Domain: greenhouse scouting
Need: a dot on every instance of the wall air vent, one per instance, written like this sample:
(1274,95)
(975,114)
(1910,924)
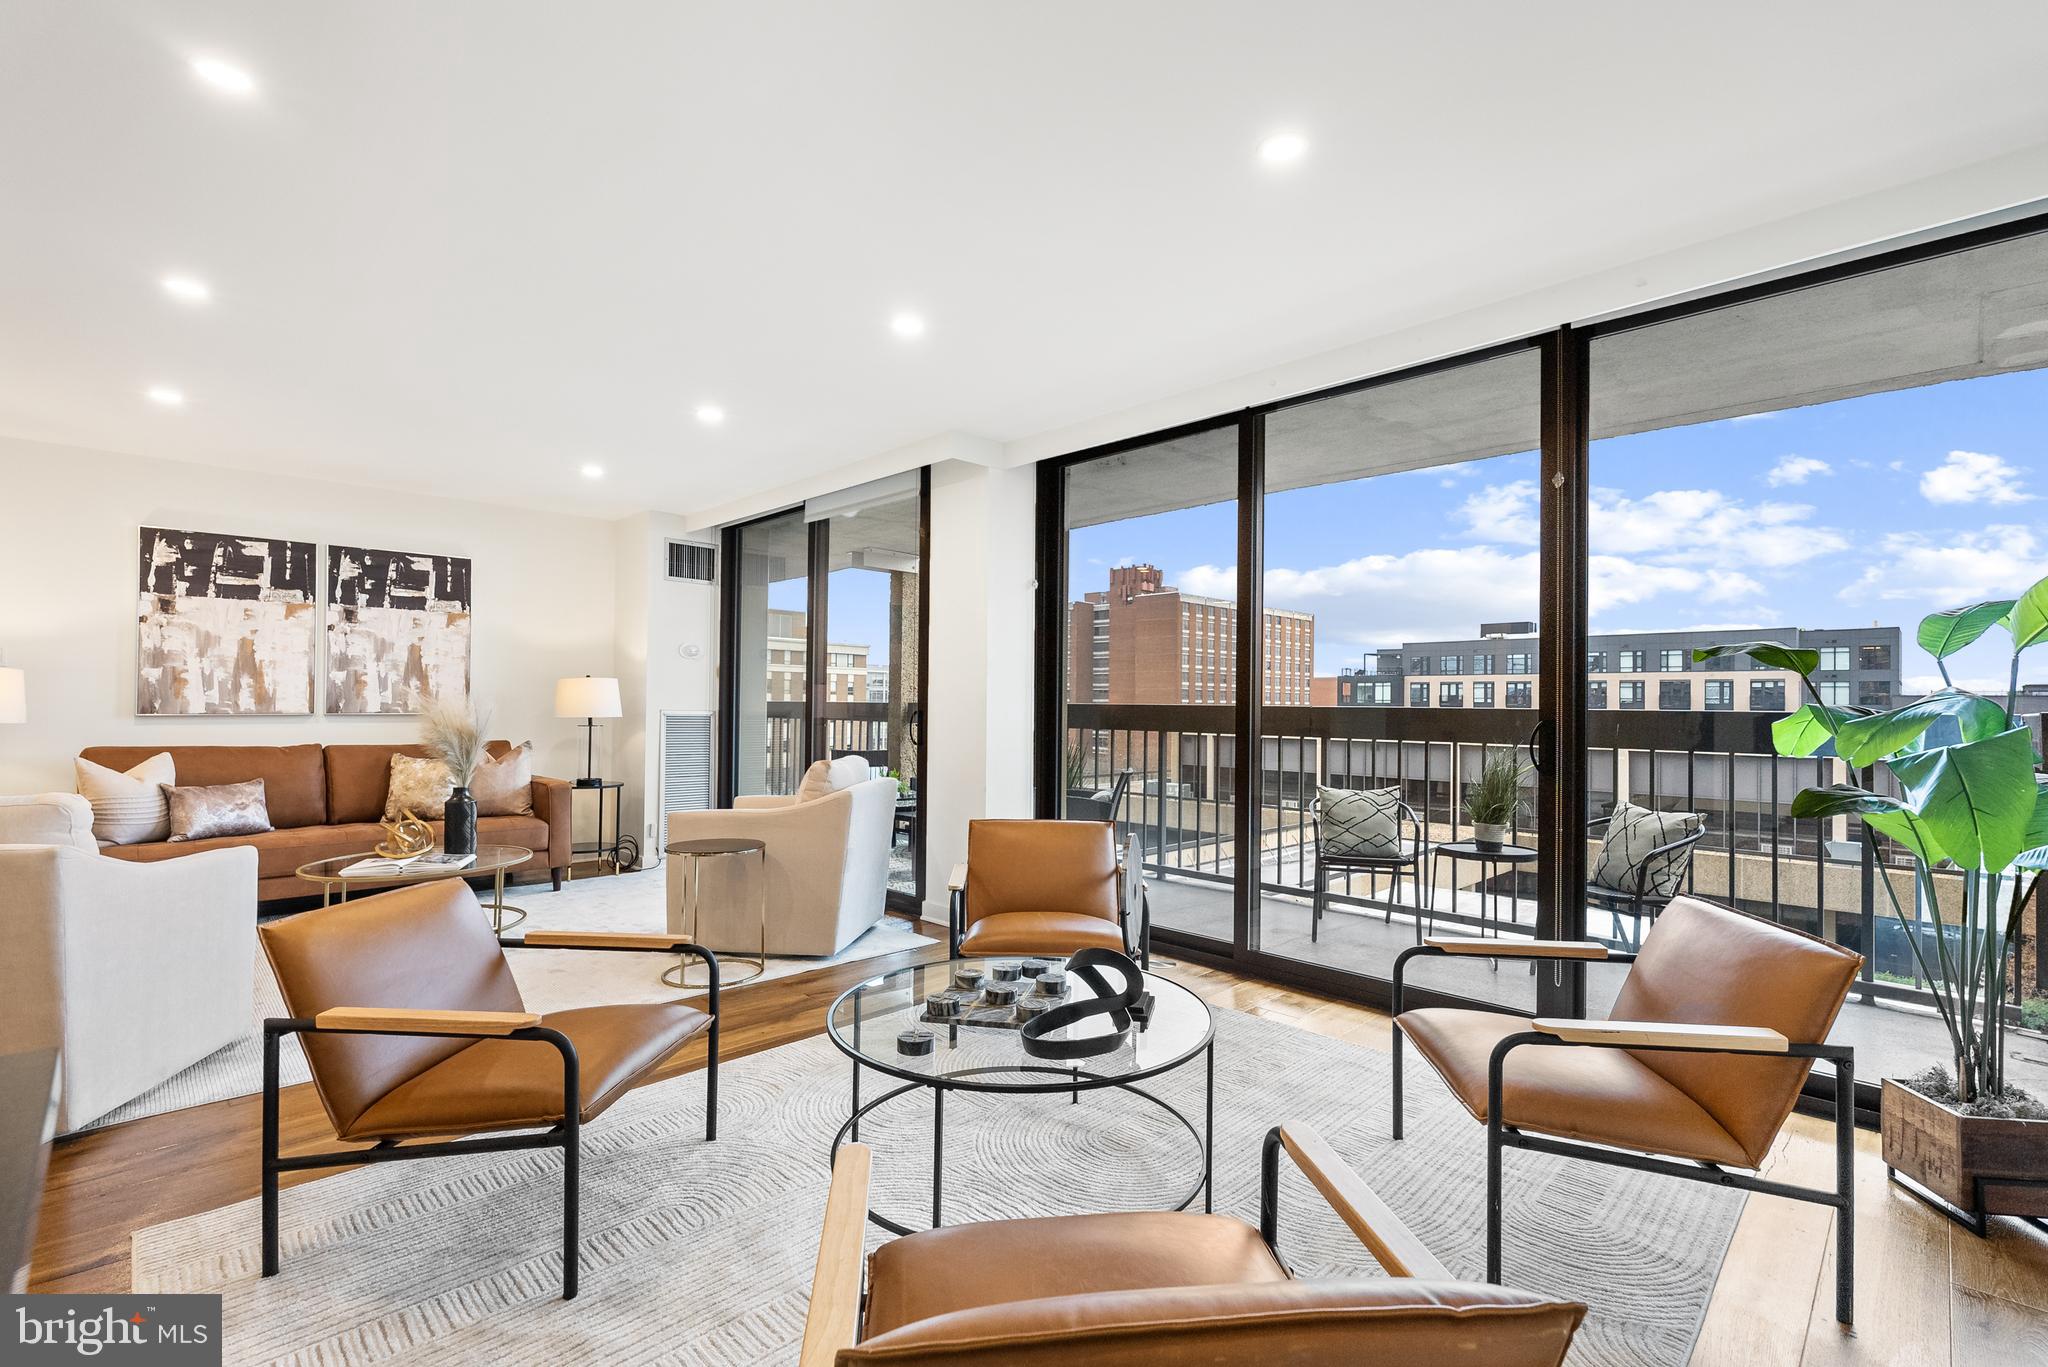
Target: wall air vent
(686,757)
(688,560)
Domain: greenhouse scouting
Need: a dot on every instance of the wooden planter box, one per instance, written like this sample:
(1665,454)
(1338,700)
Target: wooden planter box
(1978,1164)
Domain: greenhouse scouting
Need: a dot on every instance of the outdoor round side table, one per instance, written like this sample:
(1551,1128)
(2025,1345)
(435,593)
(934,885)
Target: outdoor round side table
(697,851)
(1489,902)
(492,861)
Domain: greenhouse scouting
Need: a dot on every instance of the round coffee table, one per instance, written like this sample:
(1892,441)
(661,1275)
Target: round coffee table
(494,860)
(867,1018)
(692,909)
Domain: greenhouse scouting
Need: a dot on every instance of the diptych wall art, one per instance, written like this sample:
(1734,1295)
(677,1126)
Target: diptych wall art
(225,625)
(397,630)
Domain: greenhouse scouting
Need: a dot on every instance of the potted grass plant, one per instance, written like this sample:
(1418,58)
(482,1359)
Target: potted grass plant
(1491,798)
(453,734)
(1968,805)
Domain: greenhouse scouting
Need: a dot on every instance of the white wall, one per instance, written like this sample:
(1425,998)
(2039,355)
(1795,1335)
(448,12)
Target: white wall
(657,620)
(69,520)
(979,714)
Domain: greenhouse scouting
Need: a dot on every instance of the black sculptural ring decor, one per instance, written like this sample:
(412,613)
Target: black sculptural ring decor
(1120,1006)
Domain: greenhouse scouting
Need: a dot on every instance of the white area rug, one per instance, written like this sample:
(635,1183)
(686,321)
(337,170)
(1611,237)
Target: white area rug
(701,1253)
(549,979)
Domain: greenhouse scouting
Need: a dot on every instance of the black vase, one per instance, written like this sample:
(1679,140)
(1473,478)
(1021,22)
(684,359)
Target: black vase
(459,823)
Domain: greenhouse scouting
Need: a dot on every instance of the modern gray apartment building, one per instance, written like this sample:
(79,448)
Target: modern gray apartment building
(1629,671)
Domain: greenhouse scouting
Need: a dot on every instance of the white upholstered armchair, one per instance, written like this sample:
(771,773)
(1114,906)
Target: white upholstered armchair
(827,868)
(137,971)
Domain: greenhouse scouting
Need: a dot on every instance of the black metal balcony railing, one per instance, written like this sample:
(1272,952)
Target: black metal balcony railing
(847,728)
(1821,876)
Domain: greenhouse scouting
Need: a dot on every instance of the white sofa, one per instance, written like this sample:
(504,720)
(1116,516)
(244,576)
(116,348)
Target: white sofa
(827,867)
(135,971)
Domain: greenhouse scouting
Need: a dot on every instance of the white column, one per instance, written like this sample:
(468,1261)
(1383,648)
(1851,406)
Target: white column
(982,634)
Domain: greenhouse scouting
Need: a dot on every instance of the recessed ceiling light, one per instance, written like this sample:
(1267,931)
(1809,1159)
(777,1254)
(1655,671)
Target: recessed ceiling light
(710,414)
(166,395)
(187,289)
(907,325)
(592,470)
(224,78)
(1281,149)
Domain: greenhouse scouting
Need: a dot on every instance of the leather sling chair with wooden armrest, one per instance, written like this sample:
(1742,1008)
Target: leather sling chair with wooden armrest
(414,1028)
(1048,888)
(1711,1039)
(1159,1289)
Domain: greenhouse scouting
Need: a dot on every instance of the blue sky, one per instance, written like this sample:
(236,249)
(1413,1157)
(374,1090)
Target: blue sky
(1875,509)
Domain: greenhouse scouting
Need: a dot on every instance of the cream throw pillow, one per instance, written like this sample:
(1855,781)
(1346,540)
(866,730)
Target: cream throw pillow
(128,809)
(420,786)
(826,777)
(504,786)
(817,781)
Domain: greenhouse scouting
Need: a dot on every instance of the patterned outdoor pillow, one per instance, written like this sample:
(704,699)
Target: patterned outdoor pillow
(1632,832)
(418,785)
(1360,824)
(224,809)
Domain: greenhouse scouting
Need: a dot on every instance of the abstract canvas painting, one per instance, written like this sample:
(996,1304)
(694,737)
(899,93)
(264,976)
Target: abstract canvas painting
(226,625)
(397,630)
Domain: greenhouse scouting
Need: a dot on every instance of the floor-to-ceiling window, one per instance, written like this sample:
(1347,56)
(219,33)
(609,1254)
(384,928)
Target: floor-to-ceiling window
(1528,546)
(1401,571)
(825,645)
(767,672)
(1821,467)
(1149,679)
(870,695)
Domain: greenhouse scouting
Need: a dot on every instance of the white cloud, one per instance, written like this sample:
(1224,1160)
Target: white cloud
(1961,567)
(1753,417)
(1797,470)
(1704,528)
(1973,477)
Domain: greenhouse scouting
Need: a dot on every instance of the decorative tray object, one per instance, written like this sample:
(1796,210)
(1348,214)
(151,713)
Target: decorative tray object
(1006,997)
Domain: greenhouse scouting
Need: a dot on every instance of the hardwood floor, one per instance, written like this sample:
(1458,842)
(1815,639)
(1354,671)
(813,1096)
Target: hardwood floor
(1927,1292)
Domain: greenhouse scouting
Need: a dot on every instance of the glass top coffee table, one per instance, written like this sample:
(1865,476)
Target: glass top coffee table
(867,1019)
(492,861)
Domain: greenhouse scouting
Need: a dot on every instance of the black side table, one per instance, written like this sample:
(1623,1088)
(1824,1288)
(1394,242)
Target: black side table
(1506,856)
(606,853)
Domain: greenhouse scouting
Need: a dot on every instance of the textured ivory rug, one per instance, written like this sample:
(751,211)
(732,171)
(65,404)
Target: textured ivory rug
(701,1253)
(550,980)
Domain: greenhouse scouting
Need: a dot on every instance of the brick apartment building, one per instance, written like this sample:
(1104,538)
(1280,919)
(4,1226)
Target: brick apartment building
(1143,641)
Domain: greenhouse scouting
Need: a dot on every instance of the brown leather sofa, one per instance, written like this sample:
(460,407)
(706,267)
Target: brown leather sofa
(326,801)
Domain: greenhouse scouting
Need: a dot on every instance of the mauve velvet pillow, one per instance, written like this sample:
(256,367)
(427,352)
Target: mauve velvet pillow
(225,809)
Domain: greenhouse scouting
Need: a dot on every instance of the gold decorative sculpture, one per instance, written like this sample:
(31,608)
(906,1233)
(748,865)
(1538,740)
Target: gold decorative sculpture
(409,836)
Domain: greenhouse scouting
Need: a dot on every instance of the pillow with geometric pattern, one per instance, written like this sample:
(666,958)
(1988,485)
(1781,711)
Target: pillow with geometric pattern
(1360,823)
(1632,833)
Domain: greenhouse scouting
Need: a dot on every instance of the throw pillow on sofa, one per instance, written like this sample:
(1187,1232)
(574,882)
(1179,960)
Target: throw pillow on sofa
(128,809)
(224,809)
(420,786)
(504,786)
(826,777)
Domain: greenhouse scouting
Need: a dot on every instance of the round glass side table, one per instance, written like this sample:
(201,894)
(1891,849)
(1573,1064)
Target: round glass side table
(691,911)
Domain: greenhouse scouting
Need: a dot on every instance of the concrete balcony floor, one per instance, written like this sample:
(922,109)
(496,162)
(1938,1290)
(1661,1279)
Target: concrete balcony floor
(1890,1039)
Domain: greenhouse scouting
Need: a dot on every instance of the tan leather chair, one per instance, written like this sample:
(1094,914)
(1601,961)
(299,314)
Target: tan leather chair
(1713,1034)
(1159,1289)
(1048,887)
(414,1027)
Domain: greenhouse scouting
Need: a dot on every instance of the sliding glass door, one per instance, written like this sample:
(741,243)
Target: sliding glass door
(825,643)
(1402,648)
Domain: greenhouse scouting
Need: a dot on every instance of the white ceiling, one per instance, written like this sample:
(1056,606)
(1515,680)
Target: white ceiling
(469,245)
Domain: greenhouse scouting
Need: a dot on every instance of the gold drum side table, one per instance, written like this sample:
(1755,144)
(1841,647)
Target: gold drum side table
(691,911)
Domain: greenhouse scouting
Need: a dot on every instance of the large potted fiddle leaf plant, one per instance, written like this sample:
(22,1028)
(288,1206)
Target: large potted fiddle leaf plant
(1971,812)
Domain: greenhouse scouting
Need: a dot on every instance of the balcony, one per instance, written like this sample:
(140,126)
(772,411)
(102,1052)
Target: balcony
(1821,877)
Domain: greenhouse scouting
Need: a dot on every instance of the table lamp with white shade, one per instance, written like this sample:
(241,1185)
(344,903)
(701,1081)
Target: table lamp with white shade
(13,696)
(588,698)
